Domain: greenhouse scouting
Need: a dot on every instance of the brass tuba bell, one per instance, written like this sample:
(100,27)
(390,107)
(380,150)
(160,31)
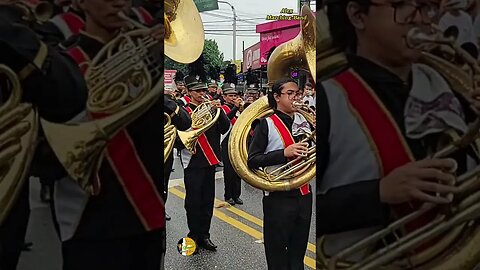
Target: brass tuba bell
(298,53)
(170,134)
(18,134)
(123,63)
(184,35)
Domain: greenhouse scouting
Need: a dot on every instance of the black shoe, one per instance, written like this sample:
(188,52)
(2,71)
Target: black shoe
(207,244)
(230,201)
(238,201)
(167,217)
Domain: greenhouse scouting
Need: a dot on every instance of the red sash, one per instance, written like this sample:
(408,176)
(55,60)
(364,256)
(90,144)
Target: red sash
(227,110)
(207,149)
(73,22)
(130,171)
(287,140)
(143,15)
(186,100)
(80,57)
(209,97)
(391,148)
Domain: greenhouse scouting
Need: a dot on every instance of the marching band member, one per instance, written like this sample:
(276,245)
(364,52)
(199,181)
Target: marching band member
(123,226)
(213,91)
(53,85)
(63,25)
(181,120)
(309,98)
(185,99)
(383,143)
(233,187)
(199,170)
(286,214)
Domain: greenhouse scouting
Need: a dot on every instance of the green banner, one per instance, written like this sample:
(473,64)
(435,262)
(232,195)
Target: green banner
(206,5)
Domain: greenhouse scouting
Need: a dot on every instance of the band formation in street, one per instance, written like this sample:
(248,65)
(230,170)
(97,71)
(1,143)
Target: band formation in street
(394,185)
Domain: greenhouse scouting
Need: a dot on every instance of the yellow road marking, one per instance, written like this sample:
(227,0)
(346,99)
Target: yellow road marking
(252,219)
(239,225)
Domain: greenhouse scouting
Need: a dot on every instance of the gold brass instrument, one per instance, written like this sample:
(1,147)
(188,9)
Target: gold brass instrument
(169,137)
(290,176)
(454,229)
(184,35)
(35,10)
(298,53)
(18,134)
(123,66)
(203,118)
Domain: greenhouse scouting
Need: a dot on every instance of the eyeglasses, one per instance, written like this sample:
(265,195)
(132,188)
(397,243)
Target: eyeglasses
(406,11)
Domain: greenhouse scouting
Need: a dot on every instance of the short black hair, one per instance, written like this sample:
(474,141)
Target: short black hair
(341,29)
(277,89)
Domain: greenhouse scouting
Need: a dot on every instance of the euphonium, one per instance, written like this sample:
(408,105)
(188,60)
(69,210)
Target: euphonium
(298,53)
(184,35)
(203,118)
(123,65)
(18,133)
(36,10)
(454,229)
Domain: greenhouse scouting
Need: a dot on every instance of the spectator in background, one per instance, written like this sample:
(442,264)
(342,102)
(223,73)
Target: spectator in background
(309,95)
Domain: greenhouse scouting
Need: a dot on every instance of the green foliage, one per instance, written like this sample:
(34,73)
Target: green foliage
(213,61)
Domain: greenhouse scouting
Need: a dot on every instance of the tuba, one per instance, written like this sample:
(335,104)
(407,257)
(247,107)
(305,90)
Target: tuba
(184,35)
(454,228)
(203,118)
(123,64)
(300,52)
(18,134)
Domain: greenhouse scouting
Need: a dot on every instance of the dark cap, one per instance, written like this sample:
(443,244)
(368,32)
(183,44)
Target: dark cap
(193,83)
(229,88)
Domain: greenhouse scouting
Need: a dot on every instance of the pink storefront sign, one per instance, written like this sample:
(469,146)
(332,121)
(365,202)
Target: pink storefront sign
(275,33)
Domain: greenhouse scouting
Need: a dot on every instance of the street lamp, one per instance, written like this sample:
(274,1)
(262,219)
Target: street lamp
(234,29)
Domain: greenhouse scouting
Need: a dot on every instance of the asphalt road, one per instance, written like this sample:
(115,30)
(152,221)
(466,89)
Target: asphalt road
(236,230)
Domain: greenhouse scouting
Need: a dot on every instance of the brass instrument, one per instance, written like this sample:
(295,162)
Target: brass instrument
(35,10)
(298,53)
(455,228)
(18,134)
(290,176)
(169,137)
(203,118)
(184,35)
(125,63)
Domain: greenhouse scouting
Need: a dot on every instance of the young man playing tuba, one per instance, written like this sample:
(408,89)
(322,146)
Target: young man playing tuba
(379,121)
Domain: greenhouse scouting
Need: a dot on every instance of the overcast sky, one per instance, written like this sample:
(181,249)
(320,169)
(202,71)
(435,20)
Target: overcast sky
(249,13)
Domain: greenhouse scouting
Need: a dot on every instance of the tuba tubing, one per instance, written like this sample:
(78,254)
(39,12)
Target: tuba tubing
(238,153)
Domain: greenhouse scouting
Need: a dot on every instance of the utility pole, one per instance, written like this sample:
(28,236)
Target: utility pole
(234,29)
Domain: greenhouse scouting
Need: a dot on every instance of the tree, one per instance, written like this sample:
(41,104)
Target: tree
(212,61)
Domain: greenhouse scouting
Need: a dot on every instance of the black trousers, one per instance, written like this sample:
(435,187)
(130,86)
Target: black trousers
(13,230)
(200,196)
(233,187)
(144,252)
(286,227)
(167,171)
